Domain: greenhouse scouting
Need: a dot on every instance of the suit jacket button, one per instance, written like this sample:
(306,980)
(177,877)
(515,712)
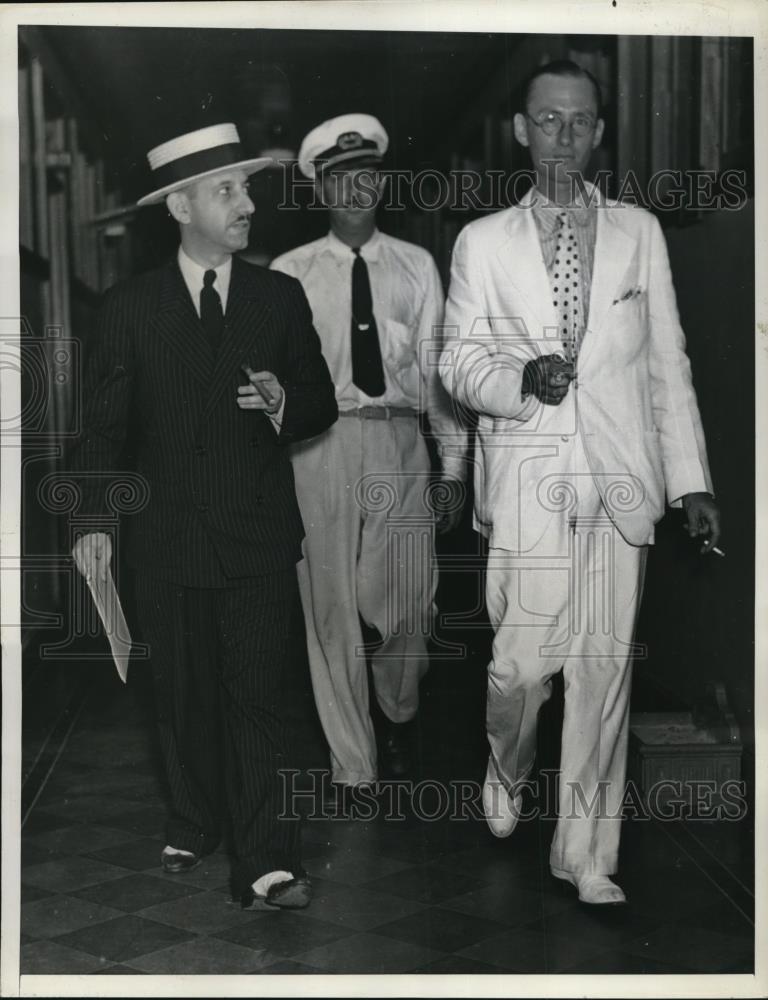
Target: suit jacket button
(199,450)
(203,508)
(259,499)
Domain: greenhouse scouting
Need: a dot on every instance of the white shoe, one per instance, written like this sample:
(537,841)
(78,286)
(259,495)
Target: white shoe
(598,890)
(501,811)
(175,860)
(262,885)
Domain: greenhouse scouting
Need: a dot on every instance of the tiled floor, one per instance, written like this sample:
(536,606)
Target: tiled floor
(399,895)
(391,894)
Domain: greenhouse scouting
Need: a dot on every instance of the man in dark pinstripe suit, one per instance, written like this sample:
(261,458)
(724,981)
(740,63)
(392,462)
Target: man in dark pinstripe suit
(216,546)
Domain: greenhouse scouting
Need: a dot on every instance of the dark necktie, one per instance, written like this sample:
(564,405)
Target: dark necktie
(367,369)
(211,312)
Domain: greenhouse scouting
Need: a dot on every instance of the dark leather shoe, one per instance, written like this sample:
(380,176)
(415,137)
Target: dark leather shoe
(396,754)
(177,864)
(294,894)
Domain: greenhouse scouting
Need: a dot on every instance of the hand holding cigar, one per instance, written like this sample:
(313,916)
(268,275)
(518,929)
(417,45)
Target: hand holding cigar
(263,391)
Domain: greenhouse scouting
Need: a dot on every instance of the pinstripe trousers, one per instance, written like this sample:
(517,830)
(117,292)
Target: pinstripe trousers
(218,657)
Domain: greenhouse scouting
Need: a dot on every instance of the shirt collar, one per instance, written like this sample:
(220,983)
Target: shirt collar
(548,213)
(192,273)
(369,250)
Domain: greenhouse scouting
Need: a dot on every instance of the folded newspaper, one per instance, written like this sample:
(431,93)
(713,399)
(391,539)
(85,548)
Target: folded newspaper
(107,603)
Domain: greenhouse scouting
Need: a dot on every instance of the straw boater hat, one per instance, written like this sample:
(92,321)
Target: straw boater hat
(351,140)
(190,157)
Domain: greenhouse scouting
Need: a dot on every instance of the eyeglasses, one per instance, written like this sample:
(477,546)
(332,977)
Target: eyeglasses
(552,122)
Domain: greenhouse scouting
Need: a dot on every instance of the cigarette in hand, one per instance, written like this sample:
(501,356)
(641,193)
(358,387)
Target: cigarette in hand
(715,549)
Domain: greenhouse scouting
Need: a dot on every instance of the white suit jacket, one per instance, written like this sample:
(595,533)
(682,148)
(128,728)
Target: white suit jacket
(632,406)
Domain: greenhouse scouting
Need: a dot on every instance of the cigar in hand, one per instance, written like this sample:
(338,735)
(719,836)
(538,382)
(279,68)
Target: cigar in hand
(269,400)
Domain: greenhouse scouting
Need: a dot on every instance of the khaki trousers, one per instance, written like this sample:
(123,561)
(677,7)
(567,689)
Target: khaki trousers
(368,552)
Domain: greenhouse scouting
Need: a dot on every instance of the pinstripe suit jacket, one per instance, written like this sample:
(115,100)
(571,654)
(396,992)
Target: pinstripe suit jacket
(220,484)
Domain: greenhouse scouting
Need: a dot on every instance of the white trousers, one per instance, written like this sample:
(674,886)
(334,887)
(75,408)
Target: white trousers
(368,553)
(570,603)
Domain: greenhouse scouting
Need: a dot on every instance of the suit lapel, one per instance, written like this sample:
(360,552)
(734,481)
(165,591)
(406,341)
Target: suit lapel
(179,325)
(614,250)
(521,258)
(246,312)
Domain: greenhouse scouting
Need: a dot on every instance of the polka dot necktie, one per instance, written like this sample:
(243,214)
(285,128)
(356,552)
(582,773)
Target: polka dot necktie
(566,288)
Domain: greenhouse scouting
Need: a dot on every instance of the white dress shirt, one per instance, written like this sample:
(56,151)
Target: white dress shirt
(408,307)
(192,273)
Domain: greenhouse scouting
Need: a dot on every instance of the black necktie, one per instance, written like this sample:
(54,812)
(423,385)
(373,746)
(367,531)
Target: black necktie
(367,369)
(211,312)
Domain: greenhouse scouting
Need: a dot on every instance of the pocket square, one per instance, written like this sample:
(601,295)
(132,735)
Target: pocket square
(631,293)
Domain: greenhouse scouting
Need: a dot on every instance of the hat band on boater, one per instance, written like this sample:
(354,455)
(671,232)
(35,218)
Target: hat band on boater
(200,162)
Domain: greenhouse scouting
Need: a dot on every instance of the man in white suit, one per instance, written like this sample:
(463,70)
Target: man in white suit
(563,335)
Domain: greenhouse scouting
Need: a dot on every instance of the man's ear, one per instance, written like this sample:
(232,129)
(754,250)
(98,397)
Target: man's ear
(521,129)
(597,137)
(178,206)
